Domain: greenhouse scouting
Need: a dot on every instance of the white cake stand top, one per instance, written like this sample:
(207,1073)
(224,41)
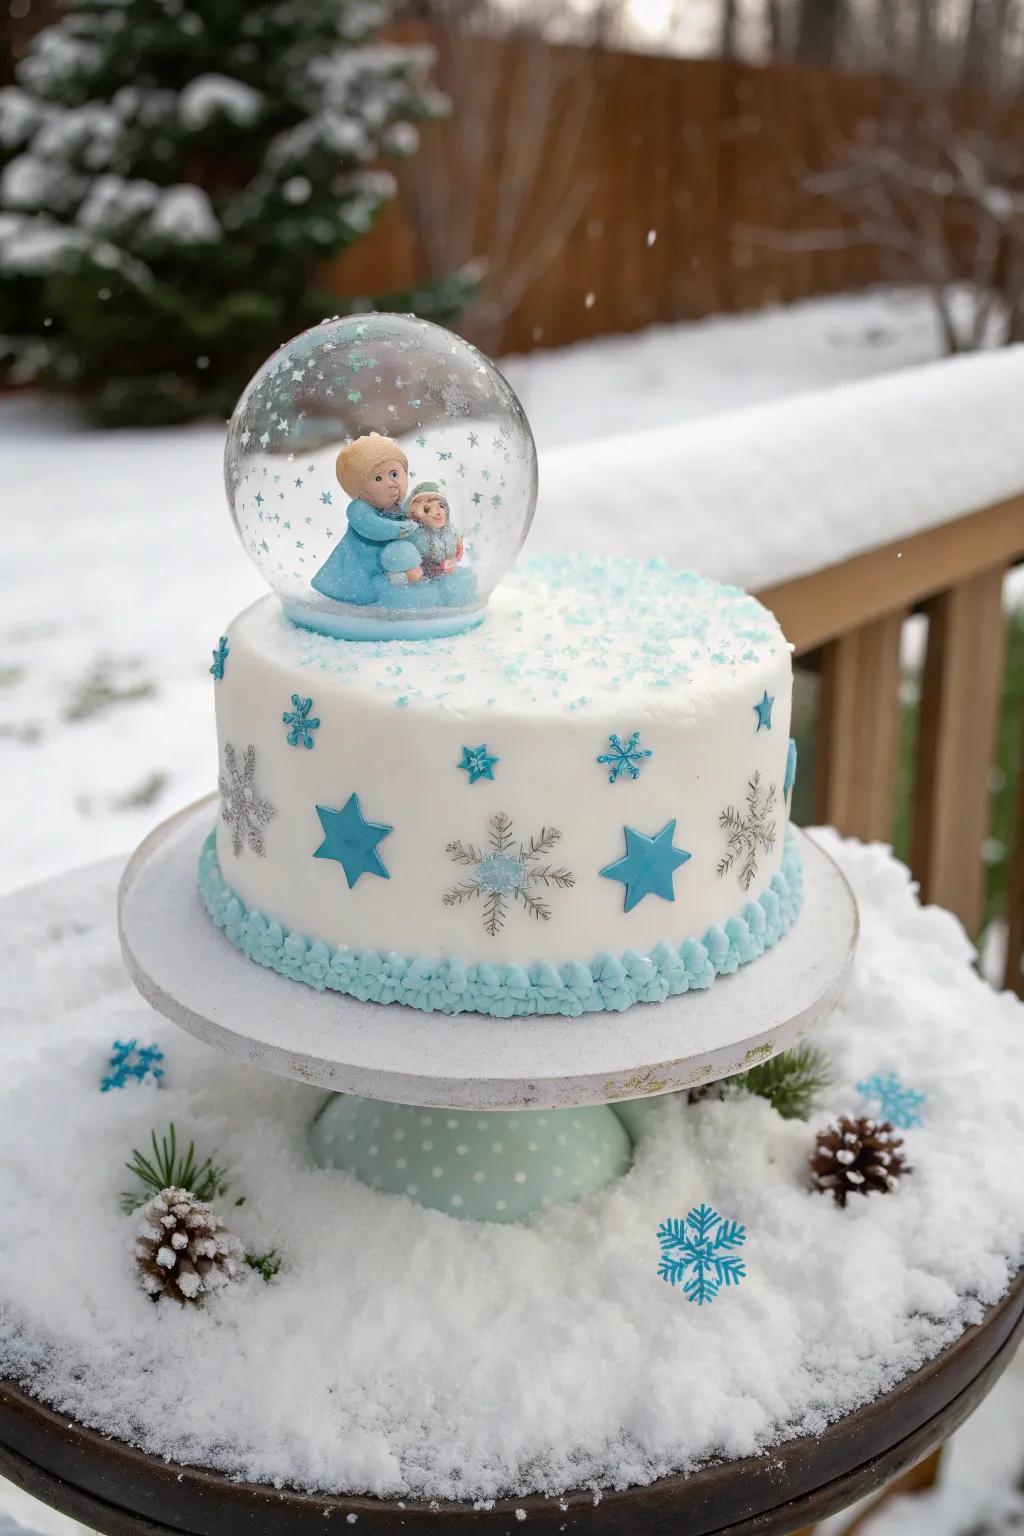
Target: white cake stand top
(185,967)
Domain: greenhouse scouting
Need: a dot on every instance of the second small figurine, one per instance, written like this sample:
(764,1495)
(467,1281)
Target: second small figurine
(439,544)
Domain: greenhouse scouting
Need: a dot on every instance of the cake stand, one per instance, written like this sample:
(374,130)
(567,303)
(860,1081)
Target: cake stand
(380,1059)
(187,970)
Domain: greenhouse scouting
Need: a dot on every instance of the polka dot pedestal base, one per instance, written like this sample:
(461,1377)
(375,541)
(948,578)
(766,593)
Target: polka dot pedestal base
(481,1167)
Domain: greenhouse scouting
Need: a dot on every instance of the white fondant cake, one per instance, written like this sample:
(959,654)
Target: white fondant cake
(580,804)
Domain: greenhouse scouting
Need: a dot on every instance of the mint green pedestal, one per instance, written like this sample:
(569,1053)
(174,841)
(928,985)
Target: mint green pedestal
(475,1165)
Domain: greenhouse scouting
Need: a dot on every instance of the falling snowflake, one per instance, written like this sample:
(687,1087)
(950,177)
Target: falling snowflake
(301,724)
(624,757)
(508,870)
(130,1061)
(697,1253)
(898,1104)
(220,656)
(750,832)
(245,812)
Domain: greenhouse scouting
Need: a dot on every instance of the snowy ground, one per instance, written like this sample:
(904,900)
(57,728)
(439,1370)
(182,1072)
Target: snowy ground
(122,566)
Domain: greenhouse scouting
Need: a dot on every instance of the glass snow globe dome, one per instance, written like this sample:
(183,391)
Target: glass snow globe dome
(382,476)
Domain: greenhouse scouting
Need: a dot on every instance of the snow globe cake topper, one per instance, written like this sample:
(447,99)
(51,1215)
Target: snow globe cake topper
(382,475)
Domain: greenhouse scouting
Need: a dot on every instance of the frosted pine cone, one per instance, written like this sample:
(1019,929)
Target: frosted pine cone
(857,1157)
(182,1251)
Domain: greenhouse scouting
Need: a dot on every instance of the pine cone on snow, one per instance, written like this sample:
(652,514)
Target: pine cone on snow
(182,1252)
(857,1157)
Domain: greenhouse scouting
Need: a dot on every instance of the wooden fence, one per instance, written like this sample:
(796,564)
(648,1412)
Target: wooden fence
(676,165)
(848,618)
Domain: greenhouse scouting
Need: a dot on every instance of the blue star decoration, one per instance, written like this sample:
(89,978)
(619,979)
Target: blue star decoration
(352,840)
(790,777)
(478,762)
(132,1062)
(624,757)
(898,1104)
(698,1253)
(649,865)
(763,710)
(299,719)
(220,656)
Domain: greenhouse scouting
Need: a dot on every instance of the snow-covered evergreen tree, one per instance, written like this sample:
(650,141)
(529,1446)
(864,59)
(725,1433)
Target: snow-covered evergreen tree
(174,175)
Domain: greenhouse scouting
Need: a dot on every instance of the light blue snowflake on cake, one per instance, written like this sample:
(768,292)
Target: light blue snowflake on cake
(478,762)
(896,1103)
(763,711)
(698,1253)
(624,757)
(298,718)
(132,1062)
(220,656)
(508,871)
(790,778)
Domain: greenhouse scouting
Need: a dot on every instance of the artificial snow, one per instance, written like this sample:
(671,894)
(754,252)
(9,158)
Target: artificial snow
(403,1353)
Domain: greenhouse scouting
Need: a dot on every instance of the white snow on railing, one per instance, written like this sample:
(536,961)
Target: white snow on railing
(774,491)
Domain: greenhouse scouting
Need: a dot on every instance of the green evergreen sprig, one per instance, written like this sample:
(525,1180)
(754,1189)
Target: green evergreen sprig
(170,1167)
(266,1264)
(792,1082)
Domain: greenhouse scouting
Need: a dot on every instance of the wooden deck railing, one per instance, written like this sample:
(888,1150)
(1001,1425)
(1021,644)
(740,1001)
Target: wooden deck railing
(849,619)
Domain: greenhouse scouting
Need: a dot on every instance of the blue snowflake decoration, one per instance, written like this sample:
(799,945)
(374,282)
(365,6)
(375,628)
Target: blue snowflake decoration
(698,1253)
(130,1061)
(790,777)
(220,656)
(478,762)
(763,711)
(302,725)
(899,1105)
(624,757)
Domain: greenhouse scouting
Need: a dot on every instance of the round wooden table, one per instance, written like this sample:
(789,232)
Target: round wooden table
(120,1491)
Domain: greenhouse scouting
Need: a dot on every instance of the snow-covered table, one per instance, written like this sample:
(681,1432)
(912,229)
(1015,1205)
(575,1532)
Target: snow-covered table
(866,1347)
(120,1491)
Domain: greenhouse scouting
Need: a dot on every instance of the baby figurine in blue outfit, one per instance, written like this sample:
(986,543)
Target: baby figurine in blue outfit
(378,552)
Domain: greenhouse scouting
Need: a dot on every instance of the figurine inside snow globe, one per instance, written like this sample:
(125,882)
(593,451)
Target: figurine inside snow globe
(382,475)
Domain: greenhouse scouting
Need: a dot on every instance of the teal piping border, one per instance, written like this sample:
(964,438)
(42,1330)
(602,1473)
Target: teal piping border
(507,991)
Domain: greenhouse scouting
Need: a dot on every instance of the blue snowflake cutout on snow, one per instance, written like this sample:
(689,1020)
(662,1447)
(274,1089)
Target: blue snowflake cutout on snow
(624,757)
(220,656)
(130,1061)
(898,1104)
(697,1253)
(299,719)
(478,763)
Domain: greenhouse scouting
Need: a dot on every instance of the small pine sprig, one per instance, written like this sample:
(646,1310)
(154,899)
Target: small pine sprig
(268,1265)
(792,1082)
(169,1167)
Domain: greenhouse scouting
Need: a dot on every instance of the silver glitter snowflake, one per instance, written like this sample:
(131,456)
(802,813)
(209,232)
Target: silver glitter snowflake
(245,811)
(507,872)
(750,832)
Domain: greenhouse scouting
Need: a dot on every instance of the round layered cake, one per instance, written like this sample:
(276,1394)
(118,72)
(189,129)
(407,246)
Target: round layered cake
(580,805)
